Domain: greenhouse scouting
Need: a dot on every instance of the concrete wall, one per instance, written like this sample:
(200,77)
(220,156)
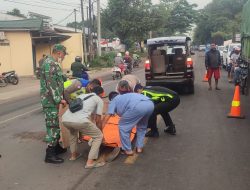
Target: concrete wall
(42,49)
(18,54)
(74,48)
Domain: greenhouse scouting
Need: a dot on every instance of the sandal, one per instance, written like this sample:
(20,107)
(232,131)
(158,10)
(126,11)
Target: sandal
(125,153)
(95,165)
(75,158)
(139,150)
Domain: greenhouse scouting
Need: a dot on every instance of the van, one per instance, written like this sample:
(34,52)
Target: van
(169,63)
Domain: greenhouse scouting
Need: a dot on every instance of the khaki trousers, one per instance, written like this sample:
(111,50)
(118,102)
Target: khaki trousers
(86,128)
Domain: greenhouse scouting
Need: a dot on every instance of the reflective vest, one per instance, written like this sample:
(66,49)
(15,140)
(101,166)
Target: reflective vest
(73,95)
(157,96)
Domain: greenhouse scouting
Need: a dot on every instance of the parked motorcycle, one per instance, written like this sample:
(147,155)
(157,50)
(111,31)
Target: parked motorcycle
(244,78)
(3,81)
(116,73)
(10,77)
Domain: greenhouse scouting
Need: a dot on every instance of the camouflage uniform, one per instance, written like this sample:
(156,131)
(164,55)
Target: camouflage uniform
(51,91)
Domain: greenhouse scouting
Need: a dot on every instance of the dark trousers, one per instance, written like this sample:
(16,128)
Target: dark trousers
(163,108)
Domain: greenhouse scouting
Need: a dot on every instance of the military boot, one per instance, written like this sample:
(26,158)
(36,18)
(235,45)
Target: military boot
(51,156)
(59,149)
(152,133)
(170,129)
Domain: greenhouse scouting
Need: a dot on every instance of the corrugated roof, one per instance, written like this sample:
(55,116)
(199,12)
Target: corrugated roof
(26,24)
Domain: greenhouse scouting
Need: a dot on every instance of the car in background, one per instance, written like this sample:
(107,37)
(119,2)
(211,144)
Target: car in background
(221,49)
(202,48)
(227,52)
(169,63)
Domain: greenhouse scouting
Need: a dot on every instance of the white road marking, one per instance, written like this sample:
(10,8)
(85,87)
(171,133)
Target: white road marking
(20,115)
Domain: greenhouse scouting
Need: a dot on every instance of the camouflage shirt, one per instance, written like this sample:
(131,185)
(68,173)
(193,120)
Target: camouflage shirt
(51,83)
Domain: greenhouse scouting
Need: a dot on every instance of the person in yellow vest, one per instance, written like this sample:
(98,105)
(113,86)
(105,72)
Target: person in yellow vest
(75,87)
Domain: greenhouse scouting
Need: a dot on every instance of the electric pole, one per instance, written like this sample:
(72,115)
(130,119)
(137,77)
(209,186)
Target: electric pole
(99,52)
(83,34)
(75,18)
(90,30)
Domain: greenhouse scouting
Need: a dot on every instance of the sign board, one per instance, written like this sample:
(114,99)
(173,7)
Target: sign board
(237,37)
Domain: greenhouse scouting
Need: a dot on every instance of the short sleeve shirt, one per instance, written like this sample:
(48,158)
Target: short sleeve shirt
(93,105)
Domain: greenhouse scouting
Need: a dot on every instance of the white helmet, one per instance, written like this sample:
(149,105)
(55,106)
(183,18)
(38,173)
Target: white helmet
(127,53)
(119,55)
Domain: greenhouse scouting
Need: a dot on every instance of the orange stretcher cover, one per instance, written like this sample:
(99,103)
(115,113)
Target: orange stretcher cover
(111,136)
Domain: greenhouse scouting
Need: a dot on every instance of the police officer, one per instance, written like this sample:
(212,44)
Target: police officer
(78,69)
(51,91)
(165,100)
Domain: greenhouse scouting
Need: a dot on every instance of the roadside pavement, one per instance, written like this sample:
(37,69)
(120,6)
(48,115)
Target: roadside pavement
(29,86)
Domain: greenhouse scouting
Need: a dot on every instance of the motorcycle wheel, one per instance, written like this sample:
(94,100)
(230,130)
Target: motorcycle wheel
(3,83)
(14,80)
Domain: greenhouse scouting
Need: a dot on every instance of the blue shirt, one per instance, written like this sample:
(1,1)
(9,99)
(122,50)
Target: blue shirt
(122,103)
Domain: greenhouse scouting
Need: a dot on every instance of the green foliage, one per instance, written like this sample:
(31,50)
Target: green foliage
(106,60)
(219,16)
(16,12)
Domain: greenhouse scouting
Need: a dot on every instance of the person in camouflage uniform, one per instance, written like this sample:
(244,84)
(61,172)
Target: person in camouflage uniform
(51,91)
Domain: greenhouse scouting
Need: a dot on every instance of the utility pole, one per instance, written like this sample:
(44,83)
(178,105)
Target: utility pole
(83,34)
(75,18)
(99,52)
(90,30)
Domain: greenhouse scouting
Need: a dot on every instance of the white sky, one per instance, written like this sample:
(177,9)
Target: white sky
(60,9)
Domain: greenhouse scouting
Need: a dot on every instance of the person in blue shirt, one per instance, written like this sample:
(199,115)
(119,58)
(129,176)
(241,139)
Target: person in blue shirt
(134,110)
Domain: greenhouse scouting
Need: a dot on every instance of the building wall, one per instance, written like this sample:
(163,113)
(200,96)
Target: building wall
(42,49)
(18,54)
(74,48)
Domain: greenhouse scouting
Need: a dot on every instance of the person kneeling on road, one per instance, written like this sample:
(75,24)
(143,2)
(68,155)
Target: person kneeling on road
(165,100)
(134,110)
(81,121)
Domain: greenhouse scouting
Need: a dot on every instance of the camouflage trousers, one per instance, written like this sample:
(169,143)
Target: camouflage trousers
(52,125)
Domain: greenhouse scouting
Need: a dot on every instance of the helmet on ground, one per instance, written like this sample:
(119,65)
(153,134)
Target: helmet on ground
(78,59)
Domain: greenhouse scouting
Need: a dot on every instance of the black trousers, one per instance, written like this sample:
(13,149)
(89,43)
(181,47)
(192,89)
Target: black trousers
(163,108)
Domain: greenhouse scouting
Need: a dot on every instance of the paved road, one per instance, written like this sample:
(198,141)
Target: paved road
(209,152)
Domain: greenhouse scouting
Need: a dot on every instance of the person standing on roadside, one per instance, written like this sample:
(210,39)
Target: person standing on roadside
(213,63)
(51,92)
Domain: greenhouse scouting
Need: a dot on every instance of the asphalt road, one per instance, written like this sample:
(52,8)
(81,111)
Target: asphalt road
(209,152)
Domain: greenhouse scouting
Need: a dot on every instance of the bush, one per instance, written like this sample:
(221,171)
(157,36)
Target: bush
(106,60)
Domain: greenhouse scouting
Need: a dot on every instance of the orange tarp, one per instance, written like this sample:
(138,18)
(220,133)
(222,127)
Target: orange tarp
(111,136)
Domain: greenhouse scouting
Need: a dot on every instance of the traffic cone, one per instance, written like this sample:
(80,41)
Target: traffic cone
(205,79)
(235,108)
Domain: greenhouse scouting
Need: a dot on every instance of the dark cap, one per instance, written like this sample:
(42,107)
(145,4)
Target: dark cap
(60,47)
(138,87)
(98,90)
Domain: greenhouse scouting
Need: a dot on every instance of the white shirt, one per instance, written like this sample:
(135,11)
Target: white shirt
(93,105)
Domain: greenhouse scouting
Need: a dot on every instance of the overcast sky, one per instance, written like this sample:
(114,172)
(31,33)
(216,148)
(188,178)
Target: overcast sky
(61,11)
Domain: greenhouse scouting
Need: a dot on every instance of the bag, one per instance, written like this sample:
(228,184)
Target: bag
(77,104)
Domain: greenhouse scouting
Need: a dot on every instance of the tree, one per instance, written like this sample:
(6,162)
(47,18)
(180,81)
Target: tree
(219,16)
(16,12)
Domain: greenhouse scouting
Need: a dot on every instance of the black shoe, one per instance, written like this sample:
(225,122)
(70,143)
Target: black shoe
(171,130)
(152,133)
(51,156)
(59,149)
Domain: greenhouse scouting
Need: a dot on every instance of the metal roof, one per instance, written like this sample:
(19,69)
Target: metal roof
(26,24)
(168,40)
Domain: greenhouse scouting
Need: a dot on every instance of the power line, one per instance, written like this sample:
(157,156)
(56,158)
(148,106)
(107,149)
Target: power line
(12,1)
(65,17)
(62,3)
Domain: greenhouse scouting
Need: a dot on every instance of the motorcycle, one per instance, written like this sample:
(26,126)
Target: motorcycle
(243,78)
(128,68)
(136,60)
(10,77)
(116,73)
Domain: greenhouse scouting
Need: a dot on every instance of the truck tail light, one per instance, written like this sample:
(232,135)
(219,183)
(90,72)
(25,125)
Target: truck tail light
(189,62)
(147,65)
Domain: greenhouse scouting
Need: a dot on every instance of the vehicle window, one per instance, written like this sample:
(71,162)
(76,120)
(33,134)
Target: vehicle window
(171,49)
